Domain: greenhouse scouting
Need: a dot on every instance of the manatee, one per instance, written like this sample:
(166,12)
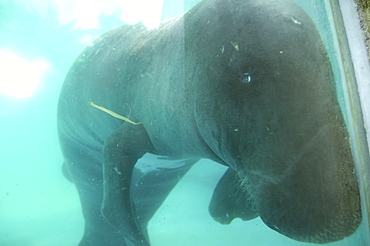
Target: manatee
(245,83)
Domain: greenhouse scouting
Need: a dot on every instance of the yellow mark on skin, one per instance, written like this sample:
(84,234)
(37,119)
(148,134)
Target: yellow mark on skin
(235,44)
(114,114)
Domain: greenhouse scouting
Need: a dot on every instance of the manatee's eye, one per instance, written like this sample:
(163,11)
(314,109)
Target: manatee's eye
(246,78)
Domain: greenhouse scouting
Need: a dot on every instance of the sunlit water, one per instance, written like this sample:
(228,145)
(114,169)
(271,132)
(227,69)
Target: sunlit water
(38,206)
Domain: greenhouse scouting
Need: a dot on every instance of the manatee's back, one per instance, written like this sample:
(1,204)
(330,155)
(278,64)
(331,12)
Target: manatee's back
(95,77)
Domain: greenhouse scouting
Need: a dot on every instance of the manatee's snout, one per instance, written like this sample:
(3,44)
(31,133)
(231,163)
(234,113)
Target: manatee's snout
(316,197)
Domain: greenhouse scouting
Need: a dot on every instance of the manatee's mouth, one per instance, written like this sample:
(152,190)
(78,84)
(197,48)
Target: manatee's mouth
(312,203)
(307,191)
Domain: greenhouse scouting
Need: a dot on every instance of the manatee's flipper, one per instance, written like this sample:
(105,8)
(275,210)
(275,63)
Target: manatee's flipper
(153,179)
(121,151)
(230,201)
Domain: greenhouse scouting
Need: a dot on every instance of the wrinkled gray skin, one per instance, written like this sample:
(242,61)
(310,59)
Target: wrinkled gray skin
(245,83)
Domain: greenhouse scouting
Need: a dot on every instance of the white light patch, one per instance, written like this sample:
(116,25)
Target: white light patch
(19,77)
(147,12)
(87,13)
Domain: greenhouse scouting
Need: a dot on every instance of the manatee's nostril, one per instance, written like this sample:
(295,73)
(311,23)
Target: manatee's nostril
(246,78)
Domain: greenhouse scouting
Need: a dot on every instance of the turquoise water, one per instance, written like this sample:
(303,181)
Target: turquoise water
(38,206)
